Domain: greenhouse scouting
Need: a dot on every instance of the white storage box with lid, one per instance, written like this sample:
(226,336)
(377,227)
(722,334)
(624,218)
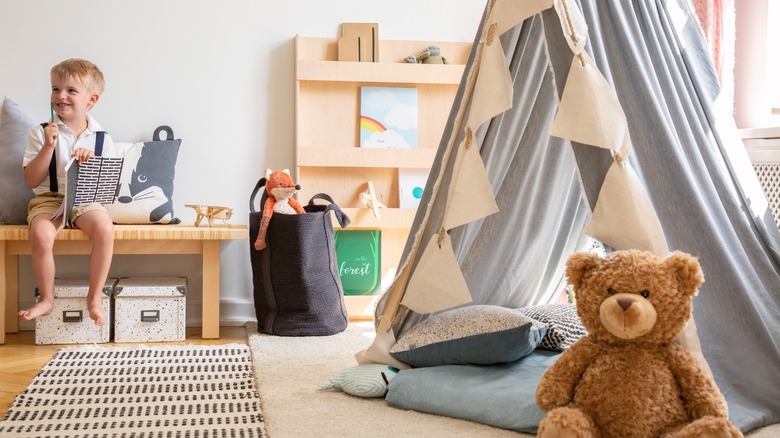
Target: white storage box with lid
(69,321)
(150,309)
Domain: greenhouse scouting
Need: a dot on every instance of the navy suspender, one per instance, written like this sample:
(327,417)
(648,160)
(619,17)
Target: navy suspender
(99,136)
(53,172)
(53,186)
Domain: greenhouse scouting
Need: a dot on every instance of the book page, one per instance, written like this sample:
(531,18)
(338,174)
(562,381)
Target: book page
(97,181)
(94,181)
(60,211)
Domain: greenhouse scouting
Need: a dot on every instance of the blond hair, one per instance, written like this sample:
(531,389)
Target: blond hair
(88,73)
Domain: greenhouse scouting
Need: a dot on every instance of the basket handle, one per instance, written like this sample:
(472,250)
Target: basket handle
(260,184)
(341,217)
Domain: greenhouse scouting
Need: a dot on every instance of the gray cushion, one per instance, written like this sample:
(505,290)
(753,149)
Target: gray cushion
(478,335)
(15,125)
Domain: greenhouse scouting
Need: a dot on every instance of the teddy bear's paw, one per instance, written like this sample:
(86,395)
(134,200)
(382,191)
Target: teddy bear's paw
(708,427)
(567,423)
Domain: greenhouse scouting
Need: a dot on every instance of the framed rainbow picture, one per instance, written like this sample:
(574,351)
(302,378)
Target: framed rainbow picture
(388,117)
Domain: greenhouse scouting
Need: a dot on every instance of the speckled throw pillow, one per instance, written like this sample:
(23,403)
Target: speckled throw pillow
(473,335)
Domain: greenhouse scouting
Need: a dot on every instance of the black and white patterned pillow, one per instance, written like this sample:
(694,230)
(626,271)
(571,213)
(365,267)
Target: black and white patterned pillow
(563,324)
(146,185)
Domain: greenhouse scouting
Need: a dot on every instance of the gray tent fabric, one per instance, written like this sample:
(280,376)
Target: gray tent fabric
(686,153)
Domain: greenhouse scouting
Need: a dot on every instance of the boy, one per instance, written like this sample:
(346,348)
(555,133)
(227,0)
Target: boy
(76,85)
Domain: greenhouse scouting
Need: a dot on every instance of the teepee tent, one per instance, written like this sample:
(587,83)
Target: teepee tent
(596,119)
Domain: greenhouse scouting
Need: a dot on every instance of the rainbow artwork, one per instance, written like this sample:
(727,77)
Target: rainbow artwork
(372,125)
(388,117)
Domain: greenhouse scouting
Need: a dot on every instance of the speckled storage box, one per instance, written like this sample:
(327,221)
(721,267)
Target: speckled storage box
(150,309)
(69,321)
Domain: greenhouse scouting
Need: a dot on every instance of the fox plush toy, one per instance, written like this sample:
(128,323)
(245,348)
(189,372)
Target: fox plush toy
(280,187)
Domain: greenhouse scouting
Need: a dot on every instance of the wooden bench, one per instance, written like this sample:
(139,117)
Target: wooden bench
(128,239)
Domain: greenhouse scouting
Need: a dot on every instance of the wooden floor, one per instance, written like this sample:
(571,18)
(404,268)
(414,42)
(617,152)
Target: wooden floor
(21,359)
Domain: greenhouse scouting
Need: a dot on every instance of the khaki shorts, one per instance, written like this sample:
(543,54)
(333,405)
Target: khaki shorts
(48,203)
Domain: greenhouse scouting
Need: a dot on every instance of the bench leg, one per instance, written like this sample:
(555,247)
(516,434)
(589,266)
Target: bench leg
(9,292)
(3,288)
(12,293)
(210,313)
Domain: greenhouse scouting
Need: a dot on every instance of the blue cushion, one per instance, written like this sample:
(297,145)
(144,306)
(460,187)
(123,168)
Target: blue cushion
(499,395)
(476,335)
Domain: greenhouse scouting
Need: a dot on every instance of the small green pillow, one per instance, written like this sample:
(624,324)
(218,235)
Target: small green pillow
(472,335)
(365,380)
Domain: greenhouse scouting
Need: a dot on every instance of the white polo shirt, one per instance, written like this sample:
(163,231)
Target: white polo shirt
(66,145)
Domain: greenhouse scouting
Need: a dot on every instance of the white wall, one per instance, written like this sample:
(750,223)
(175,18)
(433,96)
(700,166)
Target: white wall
(756,64)
(750,63)
(220,73)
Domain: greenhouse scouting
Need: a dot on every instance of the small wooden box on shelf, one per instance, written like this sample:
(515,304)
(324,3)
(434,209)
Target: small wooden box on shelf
(328,155)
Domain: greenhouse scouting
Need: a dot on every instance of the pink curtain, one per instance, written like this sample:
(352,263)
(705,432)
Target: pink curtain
(710,14)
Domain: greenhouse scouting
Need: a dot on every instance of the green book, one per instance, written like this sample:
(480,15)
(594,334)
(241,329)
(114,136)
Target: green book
(358,253)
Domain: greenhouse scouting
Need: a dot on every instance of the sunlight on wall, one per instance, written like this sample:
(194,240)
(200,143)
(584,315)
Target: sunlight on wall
(772,72)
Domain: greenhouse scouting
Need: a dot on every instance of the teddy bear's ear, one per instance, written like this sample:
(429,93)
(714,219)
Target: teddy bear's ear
(268,173)
(689,274)
(578,264)
(287,171)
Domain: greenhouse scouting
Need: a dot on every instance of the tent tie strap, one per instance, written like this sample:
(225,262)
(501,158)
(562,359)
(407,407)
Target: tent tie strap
(442,235)
(491,34)
(399,314)
(574,36)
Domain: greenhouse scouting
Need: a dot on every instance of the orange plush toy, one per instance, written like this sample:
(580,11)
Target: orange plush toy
(280,187)
(627,377)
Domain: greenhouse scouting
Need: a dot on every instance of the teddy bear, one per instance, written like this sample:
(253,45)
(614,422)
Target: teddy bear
(280,187)
(627,377)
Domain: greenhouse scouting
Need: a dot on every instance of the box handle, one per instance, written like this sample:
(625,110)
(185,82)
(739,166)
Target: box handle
(150,316)
(71,316)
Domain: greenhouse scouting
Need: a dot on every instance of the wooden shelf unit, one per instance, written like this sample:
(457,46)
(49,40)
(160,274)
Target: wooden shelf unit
(329,158)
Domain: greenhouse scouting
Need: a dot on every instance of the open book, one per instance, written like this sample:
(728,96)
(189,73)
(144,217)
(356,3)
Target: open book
(94,181)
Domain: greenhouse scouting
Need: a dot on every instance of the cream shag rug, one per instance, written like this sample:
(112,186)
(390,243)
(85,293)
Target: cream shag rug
(150,392)
(288,371)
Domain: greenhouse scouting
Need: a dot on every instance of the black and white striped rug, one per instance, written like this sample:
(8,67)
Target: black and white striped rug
(140,392)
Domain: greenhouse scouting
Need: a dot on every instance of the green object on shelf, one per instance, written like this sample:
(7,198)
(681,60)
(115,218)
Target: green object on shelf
(358,253)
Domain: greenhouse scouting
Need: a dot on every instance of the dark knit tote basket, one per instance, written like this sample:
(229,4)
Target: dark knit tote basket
(297,288)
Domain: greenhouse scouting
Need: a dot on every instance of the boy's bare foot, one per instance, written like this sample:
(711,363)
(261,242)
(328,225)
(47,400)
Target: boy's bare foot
(41,308)
(95,307)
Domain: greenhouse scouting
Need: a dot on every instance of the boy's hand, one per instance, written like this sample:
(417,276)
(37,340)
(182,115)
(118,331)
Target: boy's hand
(50,134)
(81,155)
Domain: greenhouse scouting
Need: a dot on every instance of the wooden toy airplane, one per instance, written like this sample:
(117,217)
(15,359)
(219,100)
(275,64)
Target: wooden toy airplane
(369,199)
(210,212)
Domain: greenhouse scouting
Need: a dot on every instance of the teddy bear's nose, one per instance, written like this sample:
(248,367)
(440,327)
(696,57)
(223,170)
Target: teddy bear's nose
(625,303)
